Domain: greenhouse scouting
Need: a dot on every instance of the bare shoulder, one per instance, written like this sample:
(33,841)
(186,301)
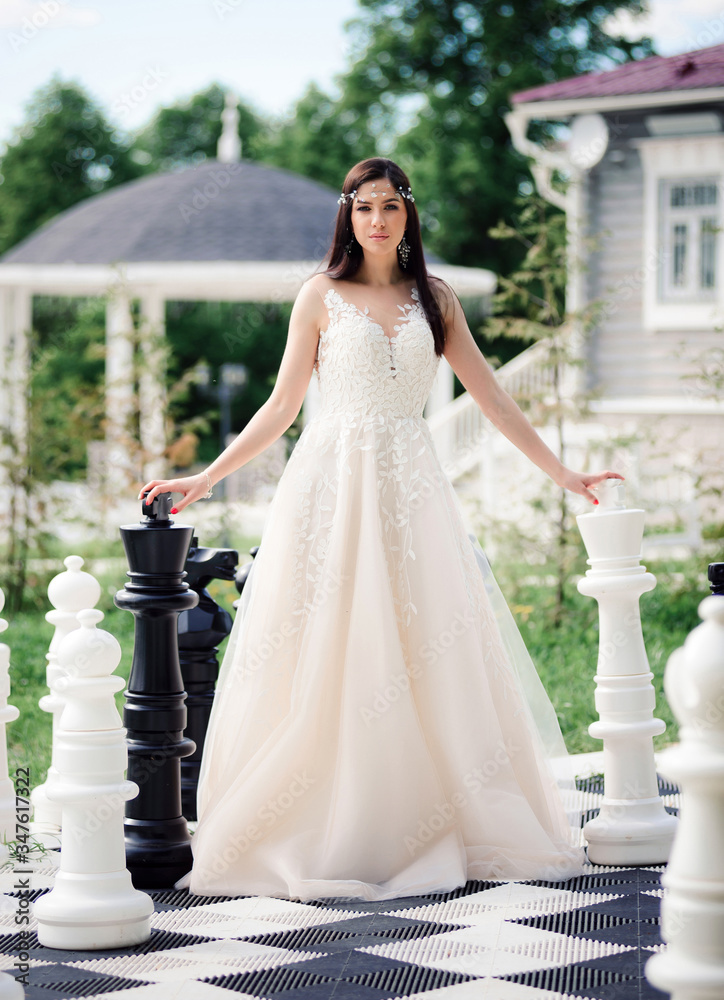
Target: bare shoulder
(319,283)
(310,299)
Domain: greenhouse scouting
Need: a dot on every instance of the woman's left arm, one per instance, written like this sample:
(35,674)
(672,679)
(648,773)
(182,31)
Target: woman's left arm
(471,367)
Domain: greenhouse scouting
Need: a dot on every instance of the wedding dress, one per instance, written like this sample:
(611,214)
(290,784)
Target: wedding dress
(378,728)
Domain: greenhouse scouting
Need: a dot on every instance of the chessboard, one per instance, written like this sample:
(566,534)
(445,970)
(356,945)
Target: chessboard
(584,939)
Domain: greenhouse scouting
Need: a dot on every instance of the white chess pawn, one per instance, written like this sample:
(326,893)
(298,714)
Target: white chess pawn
(632,827)
(93,903)
(69,593)
(8,713)
(692,911)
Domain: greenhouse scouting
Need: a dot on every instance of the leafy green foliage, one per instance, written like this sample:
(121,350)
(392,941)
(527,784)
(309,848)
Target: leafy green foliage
(320,139)
(66,385)
(65,152)
(248,333)
(458,64)
(530,305)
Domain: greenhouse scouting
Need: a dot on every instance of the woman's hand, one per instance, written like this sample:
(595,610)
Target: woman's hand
(192,487)
(578,482)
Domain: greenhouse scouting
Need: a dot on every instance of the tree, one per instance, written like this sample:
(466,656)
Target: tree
(64,152)
(189,131)
(454,66)
(63,397)
(321,139)
(530,306)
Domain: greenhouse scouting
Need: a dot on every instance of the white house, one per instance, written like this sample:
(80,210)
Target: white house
(645,165)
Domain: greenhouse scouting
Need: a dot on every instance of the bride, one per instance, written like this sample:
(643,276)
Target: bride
(378,728)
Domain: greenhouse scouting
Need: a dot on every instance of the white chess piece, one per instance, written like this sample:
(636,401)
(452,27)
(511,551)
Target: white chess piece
(692,911)
(69,593)
(93,903)
(633,827)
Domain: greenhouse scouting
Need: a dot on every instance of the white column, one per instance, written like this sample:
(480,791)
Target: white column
(692,911)
(15,324)
(120,336)
(633,827)
(151,385)
(6,386)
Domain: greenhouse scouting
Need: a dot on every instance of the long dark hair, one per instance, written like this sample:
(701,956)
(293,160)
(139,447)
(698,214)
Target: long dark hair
(341,265)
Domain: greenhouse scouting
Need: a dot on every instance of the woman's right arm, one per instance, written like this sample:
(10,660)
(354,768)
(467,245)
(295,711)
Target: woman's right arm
(275,416)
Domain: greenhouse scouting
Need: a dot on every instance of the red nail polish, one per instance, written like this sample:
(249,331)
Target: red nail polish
(174,510)
(595,501)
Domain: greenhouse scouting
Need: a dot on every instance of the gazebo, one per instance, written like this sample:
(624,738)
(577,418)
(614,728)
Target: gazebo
(223,230)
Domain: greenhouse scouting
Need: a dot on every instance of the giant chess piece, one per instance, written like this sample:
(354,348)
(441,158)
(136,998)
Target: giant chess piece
(92,903)
(158,842)
(692,911)
(200,630)
(633,827)
(69,593)
(8,713)
(244,570)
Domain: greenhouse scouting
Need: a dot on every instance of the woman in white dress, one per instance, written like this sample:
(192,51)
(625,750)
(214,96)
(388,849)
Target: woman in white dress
(378,728)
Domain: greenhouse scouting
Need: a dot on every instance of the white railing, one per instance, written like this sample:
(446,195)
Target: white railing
(460,430)
(465,441)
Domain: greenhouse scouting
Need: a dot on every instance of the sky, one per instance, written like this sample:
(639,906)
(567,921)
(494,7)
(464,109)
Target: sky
(134,56)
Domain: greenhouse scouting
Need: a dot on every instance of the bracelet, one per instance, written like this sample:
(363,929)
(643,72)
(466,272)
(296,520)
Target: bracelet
(209,491)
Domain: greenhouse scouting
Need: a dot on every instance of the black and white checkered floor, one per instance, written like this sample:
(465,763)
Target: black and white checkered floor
(588,938)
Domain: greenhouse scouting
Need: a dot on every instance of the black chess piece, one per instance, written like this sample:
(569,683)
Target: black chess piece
(158,843)
(200,631)
(716,577)
(244,570)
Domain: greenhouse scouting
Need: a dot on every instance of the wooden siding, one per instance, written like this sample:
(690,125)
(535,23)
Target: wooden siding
(624,359)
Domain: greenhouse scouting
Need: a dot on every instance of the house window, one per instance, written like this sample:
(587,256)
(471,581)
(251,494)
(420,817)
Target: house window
(689,228)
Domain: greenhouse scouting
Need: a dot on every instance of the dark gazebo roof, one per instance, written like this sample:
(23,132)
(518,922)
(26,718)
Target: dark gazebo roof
(215,211)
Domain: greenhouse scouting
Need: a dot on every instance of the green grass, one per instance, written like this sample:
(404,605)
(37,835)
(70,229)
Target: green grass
(565,656)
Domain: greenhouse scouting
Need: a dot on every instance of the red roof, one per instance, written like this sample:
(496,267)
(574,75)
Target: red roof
(687,71)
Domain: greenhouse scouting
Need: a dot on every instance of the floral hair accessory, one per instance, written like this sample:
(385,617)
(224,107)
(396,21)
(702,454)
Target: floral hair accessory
(342,200)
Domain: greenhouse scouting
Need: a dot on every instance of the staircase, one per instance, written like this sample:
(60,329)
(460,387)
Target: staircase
(460,431)
(487,469)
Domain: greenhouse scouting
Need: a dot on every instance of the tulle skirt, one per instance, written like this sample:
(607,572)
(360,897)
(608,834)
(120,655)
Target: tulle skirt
(378,728)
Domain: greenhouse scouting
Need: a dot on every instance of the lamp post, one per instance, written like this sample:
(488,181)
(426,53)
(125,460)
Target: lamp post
(232,381)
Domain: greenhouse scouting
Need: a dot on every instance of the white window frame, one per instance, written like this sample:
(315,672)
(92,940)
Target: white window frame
(680,235)
(678,160)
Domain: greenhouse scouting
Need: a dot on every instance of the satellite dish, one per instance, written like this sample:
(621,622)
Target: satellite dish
(588,141)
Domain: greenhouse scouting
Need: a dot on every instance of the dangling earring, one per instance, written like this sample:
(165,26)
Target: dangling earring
(350,246)
(403,251)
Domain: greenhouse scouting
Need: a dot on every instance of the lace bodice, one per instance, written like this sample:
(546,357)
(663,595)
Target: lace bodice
(363,371)
(373,392)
